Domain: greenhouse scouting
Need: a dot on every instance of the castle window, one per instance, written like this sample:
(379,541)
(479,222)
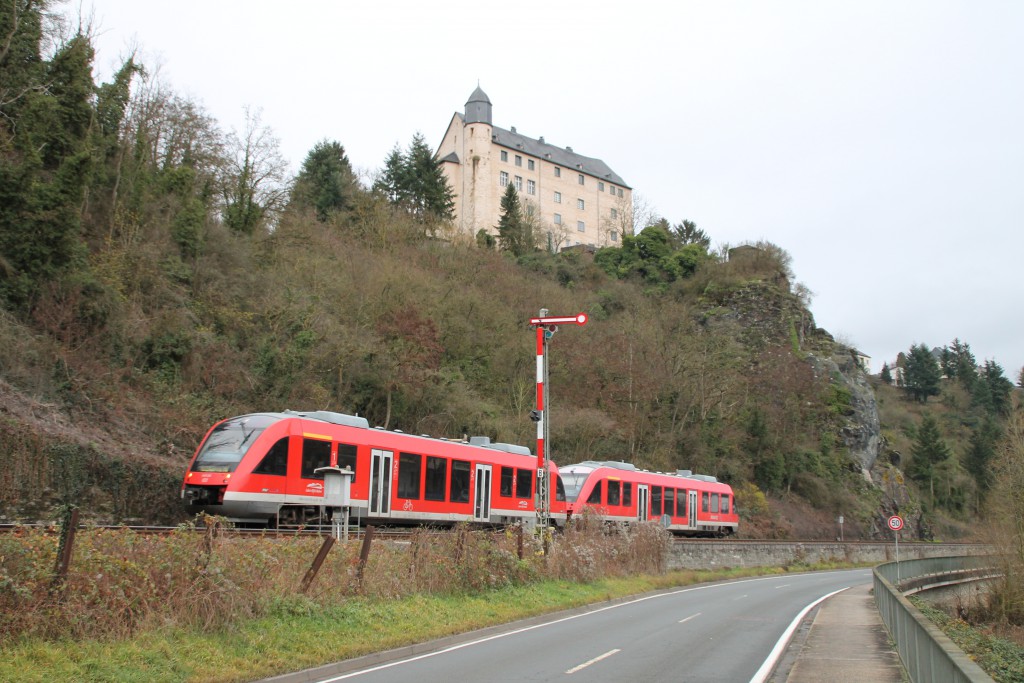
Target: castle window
(558,198)
(558,219)
(580,204)
(503,178)
(531,187)
(600,186)
(615,214)
(611,188)
(581,178)
(620,191)
(558,172)
(519,160)
(504,155)
(614,236)
(519,183)
(529,164)
(581,226)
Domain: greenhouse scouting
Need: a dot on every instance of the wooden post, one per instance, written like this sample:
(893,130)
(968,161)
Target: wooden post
(364,553)
(315,568)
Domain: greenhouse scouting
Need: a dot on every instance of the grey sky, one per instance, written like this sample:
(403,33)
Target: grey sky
(880,143)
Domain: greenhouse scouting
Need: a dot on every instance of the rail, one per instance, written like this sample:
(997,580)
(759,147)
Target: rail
(926,652)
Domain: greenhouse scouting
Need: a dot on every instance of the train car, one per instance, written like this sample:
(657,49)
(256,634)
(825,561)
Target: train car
(684,503)
(261,468)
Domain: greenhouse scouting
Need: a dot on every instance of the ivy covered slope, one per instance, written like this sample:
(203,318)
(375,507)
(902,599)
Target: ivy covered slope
(158,274)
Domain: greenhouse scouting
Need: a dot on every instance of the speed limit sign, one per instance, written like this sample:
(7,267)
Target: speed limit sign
(895,522)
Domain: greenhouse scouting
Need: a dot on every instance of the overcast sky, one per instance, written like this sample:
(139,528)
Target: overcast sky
(880,143)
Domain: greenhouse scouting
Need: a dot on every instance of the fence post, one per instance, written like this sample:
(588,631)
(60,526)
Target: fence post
(317,562)
(364,554)
(67,546)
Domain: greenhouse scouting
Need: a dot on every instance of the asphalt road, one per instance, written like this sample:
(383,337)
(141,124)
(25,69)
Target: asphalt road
(717,632)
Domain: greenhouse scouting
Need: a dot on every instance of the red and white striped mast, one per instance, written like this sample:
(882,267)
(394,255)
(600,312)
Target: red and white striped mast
(546,326)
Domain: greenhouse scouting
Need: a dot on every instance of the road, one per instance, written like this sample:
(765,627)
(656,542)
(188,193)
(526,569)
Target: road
(713,632)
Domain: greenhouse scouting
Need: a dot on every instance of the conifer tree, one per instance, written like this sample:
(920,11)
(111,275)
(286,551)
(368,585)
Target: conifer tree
(415,182)
(515,234)
(325,182)
(886,374)
(929,451)
(921,374)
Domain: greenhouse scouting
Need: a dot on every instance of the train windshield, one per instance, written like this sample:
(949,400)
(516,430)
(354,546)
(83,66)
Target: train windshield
(228,442)
(573,482)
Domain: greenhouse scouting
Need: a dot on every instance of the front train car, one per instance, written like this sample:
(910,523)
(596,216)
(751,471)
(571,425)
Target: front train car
(686,504)
(262,468)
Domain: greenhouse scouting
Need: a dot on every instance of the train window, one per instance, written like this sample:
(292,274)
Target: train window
(347,458)
(409,465)
(656,501)
(275,461)
(725,503)
(508,476)
(559,489)
(627,493)
(714,502)
(315,454)
(681,502)
(704,501)
(614,492)
(670,501)
(524,483)
(228,442)
(595,495)
(458,490)
(437,477)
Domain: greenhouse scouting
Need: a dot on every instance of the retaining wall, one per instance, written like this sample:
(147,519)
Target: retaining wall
(715,554)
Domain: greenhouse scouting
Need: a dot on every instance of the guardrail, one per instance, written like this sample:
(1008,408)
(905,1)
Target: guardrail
(926,652)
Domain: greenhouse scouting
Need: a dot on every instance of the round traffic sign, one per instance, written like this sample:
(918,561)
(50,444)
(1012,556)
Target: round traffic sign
(895,522)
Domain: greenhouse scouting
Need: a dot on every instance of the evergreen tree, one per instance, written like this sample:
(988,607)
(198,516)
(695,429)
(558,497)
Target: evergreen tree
(982,450)
(46,114)
(1020,378)
(429,193)
(515,233)
(993,389)
(325,182)
(416,182)
(929,451)
(886,374)
(687,232)
(921,374)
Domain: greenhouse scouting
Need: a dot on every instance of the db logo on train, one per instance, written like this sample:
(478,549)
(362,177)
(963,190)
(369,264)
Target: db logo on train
(895,522)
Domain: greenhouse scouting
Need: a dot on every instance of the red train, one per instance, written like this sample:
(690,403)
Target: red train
(684,503)
(261,468)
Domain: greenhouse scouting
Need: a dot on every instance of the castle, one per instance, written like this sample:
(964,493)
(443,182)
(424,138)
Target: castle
(576,200)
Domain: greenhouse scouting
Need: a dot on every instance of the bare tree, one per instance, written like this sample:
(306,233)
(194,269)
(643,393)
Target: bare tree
(254,182)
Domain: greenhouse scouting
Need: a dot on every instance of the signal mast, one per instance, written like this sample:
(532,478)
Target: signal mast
(546,327)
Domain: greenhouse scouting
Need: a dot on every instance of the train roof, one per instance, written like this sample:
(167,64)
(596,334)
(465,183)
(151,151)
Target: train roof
(358,422)
(591,465)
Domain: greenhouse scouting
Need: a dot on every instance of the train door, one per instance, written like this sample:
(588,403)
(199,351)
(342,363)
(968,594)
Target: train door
(643,503)
(691,518)
(482,502)
(380,483)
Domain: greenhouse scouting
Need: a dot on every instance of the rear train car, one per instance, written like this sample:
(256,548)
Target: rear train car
(684,503)
(261,468)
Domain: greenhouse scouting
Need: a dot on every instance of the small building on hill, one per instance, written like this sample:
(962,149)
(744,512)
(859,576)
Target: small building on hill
(574,198)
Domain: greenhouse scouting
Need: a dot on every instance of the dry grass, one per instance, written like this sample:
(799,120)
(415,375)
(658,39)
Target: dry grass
(122,583)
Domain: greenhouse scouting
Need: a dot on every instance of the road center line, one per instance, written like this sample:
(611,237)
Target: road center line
(595,660)
(783,586)
(692,616)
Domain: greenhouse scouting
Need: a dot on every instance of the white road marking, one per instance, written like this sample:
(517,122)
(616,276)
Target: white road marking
(780,647)
(692,616)
(783,586)
(595,660)
(739,598)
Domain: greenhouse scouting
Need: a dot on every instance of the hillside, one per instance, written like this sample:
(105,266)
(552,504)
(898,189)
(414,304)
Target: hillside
(158,274)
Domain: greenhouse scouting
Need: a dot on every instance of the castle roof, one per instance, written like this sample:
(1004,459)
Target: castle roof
(563,156)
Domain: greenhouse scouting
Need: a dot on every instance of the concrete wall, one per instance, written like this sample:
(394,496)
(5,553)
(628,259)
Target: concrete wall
(711,554)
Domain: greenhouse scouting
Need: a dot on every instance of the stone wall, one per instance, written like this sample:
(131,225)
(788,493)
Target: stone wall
(708,554)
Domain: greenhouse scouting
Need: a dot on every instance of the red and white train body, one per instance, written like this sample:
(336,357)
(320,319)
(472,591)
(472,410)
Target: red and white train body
(684,503)
(261,468)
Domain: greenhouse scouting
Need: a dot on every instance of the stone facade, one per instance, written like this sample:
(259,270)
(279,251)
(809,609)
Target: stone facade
(575,199)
